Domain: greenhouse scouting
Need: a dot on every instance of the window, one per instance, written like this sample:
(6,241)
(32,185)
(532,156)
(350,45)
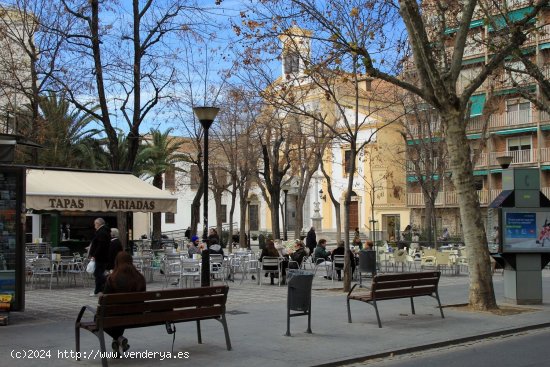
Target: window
(170,179)
(520,149)
(169,218)
(347,161)
(518,112)
(195,177)
(291,62)
(224,213)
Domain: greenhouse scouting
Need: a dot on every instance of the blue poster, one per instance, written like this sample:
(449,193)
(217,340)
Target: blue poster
(521,225)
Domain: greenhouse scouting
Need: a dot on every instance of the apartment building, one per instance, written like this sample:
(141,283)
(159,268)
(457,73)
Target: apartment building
(502,122)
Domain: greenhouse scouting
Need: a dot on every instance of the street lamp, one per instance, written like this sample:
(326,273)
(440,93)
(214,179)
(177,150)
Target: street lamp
(206,116)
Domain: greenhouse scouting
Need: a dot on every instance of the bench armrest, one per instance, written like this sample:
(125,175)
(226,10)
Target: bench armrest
(355,285)
(84,308)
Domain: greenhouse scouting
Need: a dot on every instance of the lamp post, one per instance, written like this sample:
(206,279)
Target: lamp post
(206,116)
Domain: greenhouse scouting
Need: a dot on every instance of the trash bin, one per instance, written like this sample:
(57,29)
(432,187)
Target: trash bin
(299,296)
(367,262)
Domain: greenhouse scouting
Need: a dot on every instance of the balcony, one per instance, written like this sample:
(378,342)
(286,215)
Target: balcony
(481,161)
(450,198)
(518,156)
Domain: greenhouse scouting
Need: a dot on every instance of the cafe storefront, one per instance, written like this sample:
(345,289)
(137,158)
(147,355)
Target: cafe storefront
(60,206)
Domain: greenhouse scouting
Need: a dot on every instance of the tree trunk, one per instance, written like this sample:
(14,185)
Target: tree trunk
(299,216)
(338,221)
(481,295)
(218,203)
(231,213)
(196,210)
(122,226)
(347,266)
(275,194)
(242,226)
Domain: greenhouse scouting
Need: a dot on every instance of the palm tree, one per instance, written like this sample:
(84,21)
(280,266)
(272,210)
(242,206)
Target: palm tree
(66,134)
(159,155)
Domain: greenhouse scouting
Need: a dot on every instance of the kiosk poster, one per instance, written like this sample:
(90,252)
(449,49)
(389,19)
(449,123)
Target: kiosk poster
(526,231)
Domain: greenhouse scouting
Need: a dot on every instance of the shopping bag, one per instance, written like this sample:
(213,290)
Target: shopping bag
(91,266)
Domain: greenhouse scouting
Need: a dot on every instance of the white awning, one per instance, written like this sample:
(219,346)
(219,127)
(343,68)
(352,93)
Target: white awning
(94,191)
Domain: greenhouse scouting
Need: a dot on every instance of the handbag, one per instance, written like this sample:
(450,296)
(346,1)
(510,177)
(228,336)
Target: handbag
(91,266)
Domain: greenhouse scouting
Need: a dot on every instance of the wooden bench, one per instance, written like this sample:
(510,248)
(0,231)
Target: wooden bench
(142,309)
(395,286)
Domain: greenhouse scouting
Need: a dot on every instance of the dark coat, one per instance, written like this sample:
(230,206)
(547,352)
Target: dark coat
(298,256)
(340,251)
(114,248)
(311,240)
(100,245)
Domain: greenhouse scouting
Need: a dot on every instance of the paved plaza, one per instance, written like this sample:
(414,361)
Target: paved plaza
(257,322)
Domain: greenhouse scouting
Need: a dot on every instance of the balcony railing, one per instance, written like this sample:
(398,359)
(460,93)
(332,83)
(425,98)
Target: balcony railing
(518,156)
(450,198)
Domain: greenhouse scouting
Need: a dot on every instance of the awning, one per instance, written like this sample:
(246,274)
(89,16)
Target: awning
(477,104)
(516,131)
(513,16)
(65,190)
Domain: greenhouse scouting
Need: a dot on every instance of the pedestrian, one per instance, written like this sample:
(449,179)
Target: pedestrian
(124,278)
(114,248)
(99,252)
(311,240)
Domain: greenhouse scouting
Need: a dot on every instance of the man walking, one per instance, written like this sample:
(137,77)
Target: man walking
(99,252)
(311,240)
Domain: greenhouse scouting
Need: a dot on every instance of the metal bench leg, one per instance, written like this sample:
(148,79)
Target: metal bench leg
(199,336)
(309,318)
(226,332)
(349,311)
(439,303)
(377,315)
(412,306)
(77,340)
(101,337)
(288,318)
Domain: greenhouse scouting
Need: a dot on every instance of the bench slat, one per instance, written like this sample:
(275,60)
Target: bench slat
(406,276)
(377,285)
(134,297)
(160,305)
(160,318)
(403,293)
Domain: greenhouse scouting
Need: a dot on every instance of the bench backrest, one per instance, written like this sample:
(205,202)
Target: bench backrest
(390,286)
(156,307)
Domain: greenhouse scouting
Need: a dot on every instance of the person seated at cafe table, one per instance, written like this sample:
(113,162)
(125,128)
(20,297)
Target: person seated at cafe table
(270,251)
(340,250)
(322,256)
(298,254)
(193,246)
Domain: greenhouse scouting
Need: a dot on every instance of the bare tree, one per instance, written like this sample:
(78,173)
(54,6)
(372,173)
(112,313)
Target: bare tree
(438,62)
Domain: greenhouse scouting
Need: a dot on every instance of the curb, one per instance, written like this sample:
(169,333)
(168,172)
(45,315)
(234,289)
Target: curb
(433,345)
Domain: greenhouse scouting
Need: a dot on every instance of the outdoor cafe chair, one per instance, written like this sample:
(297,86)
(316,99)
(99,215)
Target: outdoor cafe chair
(268,263)
(42,268)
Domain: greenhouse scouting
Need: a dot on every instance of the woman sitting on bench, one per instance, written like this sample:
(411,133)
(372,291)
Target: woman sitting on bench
(124,278)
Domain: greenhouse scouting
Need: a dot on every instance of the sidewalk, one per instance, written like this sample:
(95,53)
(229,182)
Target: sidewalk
(257,322)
